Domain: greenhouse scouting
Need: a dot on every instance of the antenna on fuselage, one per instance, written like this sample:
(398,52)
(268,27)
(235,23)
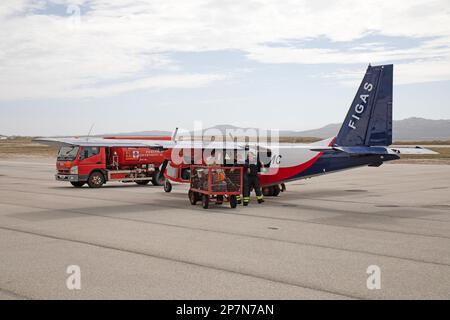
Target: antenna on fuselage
(234,139)
(174,135)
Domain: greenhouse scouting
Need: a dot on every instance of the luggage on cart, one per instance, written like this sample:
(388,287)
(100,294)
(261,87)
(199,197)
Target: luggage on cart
(215,184)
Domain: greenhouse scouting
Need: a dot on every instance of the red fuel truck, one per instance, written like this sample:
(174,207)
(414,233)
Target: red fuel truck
(95,166)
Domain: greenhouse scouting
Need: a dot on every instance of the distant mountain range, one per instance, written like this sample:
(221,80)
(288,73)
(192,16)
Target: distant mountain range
(404,130)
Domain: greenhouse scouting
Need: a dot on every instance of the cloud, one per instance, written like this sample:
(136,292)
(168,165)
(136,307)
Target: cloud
(44,90)
(49,51)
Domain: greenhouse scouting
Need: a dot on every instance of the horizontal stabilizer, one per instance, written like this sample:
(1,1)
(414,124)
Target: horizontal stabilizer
(359,151)
(363,150)
(416,150)
(354,150)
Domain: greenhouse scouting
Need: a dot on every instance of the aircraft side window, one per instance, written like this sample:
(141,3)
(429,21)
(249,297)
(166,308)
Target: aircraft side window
(186,173)
(172,172)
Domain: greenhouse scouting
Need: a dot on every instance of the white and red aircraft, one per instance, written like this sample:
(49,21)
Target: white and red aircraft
(363,140)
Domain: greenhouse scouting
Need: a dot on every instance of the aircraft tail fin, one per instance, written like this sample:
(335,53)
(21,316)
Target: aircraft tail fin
(369,120)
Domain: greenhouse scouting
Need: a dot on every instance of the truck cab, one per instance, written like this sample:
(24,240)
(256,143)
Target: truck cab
(76,165)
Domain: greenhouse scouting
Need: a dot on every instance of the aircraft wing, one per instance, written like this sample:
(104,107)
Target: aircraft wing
(165,144)
(170,144)
(101,142)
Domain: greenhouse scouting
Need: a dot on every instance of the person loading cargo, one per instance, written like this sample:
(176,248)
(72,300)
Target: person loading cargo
(251,179)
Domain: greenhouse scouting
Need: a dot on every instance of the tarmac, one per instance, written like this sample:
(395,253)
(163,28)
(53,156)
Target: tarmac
(315,241)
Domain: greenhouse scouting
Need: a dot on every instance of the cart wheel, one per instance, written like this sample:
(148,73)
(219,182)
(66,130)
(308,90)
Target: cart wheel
(205,201)
(233,202)
(167,186)
(219,200)
(193,197)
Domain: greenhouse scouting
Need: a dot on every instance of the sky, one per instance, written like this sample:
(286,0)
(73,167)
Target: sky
(135,65)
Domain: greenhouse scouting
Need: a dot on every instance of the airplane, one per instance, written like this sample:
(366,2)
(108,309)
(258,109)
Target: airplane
(364,139)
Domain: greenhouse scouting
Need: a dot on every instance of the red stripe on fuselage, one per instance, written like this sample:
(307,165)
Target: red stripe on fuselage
(278,175)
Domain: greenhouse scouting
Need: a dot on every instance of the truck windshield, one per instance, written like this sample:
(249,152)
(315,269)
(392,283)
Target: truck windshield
(67,153)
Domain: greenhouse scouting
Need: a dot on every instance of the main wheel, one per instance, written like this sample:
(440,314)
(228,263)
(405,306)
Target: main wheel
(142,182)
(193,197)
(205,201)
(267,191)
(276,191)
(158,180)
(167,186)
(233,202)
(96,180)
(77,184)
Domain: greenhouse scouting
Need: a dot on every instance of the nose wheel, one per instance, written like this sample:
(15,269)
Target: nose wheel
(167,186)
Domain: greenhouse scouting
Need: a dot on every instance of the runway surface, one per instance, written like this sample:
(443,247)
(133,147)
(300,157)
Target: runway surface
(315,241)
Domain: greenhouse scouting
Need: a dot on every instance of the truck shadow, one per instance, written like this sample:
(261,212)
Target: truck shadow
(105,187)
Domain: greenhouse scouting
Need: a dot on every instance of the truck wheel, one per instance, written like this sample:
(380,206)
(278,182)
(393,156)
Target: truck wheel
(142,182)
(156,179)
(96,180)
(167,186)
(77,184)
(233,202)
(193,197)
(205,201)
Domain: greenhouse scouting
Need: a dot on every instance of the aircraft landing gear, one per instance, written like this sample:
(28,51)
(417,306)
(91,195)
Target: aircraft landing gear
(167,186)
(274,191)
